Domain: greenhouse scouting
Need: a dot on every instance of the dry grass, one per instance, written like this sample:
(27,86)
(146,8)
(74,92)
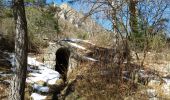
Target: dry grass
(103,39)
(101,80)
(95,84)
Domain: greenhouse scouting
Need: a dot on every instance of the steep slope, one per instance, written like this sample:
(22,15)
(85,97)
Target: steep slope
(79,20)
(50,22)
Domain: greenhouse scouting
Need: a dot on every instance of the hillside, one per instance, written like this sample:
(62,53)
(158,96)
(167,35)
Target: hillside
(49,22)
(72,57)
(80,20)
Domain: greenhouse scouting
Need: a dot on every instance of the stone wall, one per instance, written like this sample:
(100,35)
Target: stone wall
(50,57)
(77,48)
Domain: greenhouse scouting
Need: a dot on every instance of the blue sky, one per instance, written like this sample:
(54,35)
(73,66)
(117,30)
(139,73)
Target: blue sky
(56,1)
(107,24)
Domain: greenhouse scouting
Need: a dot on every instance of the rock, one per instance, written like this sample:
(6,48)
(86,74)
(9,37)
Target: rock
(155,83)
(51,63)
(151,93)
(41,89)
(36,96)
(59,82)
(160,89)
(40,83)
(58,86)
(69,89)
(154,98)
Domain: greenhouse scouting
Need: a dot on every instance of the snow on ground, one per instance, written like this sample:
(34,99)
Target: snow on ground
(37,71)
(42,73)
(41,88)
(5,75)
(77,46)
(78,41)
(91,59)
(32,61)
(11,59)
(36,96)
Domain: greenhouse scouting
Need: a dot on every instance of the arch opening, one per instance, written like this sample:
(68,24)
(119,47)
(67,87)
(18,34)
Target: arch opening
(62,61)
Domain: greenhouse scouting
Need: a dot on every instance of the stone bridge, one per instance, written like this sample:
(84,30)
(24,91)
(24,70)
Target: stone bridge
(64,55)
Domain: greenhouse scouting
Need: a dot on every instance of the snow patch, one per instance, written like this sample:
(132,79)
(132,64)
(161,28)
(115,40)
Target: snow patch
(41,73)
(36,96)
(32,61)
(5,75)
(41,88)
(91,59)
(52,81)
(11,59)
(78,40)
(77,46)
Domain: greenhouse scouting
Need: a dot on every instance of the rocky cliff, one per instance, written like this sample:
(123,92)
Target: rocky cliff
(79,20)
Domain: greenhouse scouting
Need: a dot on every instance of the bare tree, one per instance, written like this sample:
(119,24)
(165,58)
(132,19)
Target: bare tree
(18,84)
(134,20)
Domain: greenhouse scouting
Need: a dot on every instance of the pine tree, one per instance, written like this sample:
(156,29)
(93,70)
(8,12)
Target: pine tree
(18,84)
(133,21)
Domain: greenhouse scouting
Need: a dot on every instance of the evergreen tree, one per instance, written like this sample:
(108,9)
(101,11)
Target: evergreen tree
(41,3)
(21,49)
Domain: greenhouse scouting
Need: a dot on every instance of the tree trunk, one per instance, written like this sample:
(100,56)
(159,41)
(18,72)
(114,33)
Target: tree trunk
(1,11)
(133,17)
(114,21)
(18,84)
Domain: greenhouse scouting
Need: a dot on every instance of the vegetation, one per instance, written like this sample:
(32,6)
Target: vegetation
(39,23)
(136,40)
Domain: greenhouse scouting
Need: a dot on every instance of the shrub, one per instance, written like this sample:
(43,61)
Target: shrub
(152,42)
(82,35)
(41,24)
(7,30)
(157,43)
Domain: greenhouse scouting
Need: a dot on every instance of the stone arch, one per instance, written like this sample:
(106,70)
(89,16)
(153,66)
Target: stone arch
(62,61)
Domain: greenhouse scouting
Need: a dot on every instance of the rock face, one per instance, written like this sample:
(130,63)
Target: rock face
(79,20)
